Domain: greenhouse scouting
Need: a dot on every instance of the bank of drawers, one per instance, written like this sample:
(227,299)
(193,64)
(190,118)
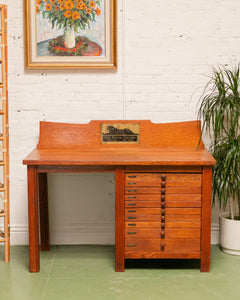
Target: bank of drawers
(162,214)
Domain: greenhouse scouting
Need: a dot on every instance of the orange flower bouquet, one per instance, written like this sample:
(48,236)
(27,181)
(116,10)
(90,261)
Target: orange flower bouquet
(70,15)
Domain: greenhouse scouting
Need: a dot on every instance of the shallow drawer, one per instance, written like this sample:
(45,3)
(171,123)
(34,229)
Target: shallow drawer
(142,217)
(157,233)
(168,204)
(167,211)
(144,244)
(130,217)
(168,197)
(180,245)
(144,224)
(142,211)
(183,211)
(158,190)
(172,200)
(167,225)
(142,232)
(163,180)
(183,224)
(184,218)
(183,214)
(185,233)
(142,204)
(162,245)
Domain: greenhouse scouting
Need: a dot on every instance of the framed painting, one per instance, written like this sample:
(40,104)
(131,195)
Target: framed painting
(70,34)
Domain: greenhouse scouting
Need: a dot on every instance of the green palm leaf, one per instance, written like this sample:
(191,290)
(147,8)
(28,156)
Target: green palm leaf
(220,111)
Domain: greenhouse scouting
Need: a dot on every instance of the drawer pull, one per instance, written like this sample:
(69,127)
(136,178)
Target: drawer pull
(131,218)
(132,191)
(163,225)
(131,245)
(131,183)
(163,177)
(163,191)
(131,224)
(163,184)
(132,176)
(131,210)
(163,218)
(163,197)
(132,204)
(132,197)
(163,204)
(162,247)
(163,212)
(132,232)
(162,234)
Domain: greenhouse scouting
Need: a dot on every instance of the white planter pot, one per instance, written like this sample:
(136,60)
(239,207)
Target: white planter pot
(229,234)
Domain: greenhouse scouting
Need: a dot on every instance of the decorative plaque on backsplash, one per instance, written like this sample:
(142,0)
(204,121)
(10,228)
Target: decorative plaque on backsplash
(127,133)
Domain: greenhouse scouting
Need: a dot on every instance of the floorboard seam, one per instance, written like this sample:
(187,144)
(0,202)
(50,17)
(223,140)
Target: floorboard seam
(49,276)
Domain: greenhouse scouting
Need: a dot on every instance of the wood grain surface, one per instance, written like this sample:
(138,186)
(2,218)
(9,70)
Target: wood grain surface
(162,194)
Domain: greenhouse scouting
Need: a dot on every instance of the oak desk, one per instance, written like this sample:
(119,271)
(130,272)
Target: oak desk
(163,185)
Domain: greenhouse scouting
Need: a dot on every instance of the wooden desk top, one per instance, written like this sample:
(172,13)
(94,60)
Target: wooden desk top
(80,144)
(118,157)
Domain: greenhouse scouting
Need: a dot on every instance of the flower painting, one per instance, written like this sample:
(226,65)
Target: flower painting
(70,17)
(70,33)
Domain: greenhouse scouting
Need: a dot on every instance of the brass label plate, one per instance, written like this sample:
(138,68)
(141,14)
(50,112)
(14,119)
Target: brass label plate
(120,133)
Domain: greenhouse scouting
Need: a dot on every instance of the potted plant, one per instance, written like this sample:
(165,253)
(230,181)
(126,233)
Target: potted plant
(220,114)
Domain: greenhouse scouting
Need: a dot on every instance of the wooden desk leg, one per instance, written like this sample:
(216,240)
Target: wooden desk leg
(33,219)
(43,206)
(206,219)
(119,220)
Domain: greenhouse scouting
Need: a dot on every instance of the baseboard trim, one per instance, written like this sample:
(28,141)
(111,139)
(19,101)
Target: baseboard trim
(103,234)
(215,234)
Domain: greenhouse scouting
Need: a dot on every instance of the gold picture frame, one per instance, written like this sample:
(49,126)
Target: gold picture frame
(51,24)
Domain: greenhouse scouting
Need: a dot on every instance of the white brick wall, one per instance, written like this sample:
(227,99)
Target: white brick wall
(165,51)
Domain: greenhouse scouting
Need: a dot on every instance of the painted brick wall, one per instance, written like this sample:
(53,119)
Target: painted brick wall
(165,52)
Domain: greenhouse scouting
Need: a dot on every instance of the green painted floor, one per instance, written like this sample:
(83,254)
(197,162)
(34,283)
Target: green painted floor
(87,272)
